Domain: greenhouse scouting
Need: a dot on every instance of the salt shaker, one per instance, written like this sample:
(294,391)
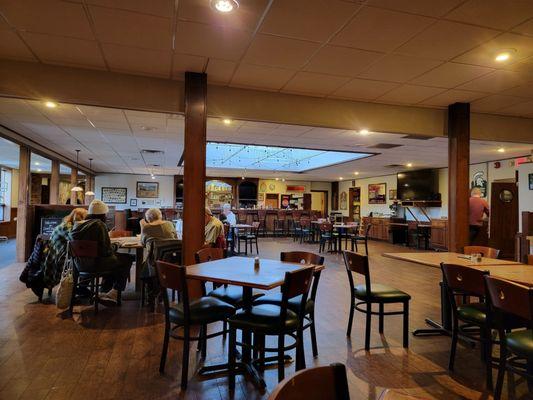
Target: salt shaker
(256,263)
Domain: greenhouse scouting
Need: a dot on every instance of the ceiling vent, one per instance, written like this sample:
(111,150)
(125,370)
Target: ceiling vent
(384,146)
(417,137)
(147,151)
(393,166)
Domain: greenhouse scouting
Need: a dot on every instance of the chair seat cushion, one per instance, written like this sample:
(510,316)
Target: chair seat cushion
(381,293)
(293,304)
(202,311)
(472,312)
(520,343)
(231,295)
(264,318)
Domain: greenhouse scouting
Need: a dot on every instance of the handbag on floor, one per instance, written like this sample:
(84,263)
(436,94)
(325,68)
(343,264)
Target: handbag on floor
(66,285)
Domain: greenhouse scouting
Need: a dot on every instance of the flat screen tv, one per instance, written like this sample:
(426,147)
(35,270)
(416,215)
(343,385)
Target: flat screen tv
(421,185)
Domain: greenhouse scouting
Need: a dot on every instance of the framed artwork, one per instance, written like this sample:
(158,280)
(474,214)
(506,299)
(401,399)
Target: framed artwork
(530,176)
(392,194)
(261,197)
(114,195)
(133,202)
(377,193)
(344,201)
(479,181)
(147,190)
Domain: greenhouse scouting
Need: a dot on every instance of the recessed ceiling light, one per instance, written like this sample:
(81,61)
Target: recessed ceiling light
(242,177)
(283,180)
(356,173)
(50,104)
(504,55)
(409,165)
(340,178)
(277,179)
(501,150)
(226,121)
(36,163)
(224,6)
(39,169)
(153,177)
(364,132)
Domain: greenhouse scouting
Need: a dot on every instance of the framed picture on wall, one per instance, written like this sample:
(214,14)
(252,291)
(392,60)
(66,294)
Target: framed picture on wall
(377,193)
(133,202)
(344,201)
(147,190)
(114,195)
(530,181)
(392,194)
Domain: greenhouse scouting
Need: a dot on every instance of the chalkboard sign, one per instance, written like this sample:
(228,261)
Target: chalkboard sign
(48,225)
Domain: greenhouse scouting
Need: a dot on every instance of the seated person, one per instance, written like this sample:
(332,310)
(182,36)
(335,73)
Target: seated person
(57,248)
(230,216)
(154,227)
(115,267)
(214,230)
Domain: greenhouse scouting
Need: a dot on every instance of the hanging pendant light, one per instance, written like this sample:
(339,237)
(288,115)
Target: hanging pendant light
(77,188)
(90,192)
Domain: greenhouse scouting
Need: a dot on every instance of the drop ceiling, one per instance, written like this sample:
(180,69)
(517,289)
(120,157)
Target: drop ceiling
(125,141)
(411,52)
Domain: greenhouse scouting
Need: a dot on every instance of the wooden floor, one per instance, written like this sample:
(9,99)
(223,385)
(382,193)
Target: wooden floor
(116,354)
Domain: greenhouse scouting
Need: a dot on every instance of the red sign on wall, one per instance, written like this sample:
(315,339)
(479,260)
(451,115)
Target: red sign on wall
(295,188)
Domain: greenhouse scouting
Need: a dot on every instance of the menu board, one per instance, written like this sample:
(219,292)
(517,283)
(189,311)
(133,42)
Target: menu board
(49,224)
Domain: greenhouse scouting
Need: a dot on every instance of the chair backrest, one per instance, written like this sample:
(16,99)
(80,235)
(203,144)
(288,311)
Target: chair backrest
(358,263)
(326,227)
(510,297)
(530,259)
(255,226)
(297,283)
(333,384)
(173,277)
(304,257)
(463,279)
(208,254)
(305,222)
(168,250)
(83,248)
(118,234)
(485,251)
(367,229)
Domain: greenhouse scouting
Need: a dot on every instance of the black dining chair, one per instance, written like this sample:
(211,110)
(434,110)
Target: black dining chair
(357,238)
(373,293)
(506,298)
(199,312)
(273,320)
(301,257)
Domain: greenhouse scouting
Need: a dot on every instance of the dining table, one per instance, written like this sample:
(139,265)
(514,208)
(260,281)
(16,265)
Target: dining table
(342,229)
(506,269)
(128,243)
(240,271)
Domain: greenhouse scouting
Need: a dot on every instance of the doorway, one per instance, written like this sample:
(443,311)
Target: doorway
(319,201)
(504,217)
(272,200)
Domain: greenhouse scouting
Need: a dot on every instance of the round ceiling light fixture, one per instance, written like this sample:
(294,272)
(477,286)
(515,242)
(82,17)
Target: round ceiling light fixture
(50,104)
(364,132)
(224,6)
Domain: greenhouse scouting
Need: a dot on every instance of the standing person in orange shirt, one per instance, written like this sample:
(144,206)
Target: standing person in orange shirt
(478,207)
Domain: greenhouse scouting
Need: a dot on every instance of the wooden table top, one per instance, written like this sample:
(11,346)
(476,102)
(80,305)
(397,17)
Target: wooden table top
(240,271)
(521,273)
(128,241)
(242,226)
(433,259)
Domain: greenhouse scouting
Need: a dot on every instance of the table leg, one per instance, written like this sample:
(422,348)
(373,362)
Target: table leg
(444,328)
(139,253)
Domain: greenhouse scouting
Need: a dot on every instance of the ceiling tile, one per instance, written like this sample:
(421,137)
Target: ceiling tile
(220,71)
(525,90)
(495,103)
(137,60)
(526,28)
(11,46)
(450,75)
(48,16)
(410,94)
(258,76)
(494,82)
(521,109)
(445,40)
(313,83)
(344,61)
(380,30)
(64,50)
(452,96)
(313,20)
(131,29)
(398,68)
(211,41)
(184,62)
(422,7)
(279,52)
(364,89)
(493,13)
(246,17)
(486,53)
(161,8)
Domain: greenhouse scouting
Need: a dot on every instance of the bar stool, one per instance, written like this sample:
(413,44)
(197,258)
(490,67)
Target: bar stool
(279,223)
(261,217)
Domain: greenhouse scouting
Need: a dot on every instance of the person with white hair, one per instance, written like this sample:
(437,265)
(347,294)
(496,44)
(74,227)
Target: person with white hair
(154,227)
(230,216)
(478,207)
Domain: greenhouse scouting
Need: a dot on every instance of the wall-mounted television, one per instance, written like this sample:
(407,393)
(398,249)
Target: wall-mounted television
(421,185)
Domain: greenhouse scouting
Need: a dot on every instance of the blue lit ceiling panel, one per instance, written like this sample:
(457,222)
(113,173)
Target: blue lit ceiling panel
(245,156)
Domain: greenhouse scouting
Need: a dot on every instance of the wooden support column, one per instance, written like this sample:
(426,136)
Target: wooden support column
(194,164)
(458,175)
(73,182)
(23,223)
(54,183)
